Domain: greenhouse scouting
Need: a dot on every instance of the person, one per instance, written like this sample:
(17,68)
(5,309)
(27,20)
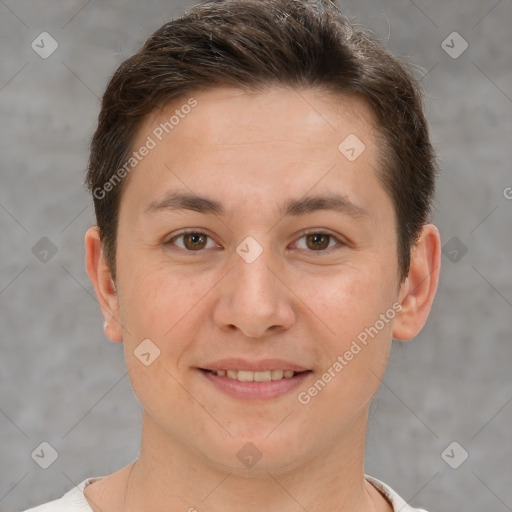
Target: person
(262,176)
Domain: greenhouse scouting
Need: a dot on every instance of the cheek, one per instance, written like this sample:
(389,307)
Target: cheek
(356,309)
(349,302)
(167,308)
(158,307)
(154,298)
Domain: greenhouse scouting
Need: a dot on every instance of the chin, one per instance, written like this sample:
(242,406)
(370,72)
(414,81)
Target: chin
(253,455)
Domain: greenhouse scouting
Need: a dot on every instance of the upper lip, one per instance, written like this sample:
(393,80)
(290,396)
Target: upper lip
(253,366)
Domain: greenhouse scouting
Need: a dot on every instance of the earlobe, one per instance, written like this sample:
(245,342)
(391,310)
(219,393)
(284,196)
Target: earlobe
(101,278)
(418,291)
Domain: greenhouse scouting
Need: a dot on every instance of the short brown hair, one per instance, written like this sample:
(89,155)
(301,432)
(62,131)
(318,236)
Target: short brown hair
(253,44)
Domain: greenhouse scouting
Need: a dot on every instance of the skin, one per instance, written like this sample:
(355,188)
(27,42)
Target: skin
(306,305)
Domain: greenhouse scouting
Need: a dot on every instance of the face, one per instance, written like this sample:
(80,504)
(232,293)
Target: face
(289,262)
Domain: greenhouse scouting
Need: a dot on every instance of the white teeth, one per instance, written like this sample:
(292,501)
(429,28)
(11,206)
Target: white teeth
(247,376)
(277,374)
(244,376)
(262,376)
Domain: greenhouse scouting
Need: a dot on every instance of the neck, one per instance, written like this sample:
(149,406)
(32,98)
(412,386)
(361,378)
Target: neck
(170,476)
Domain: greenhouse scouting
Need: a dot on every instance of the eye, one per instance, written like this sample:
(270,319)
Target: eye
(193,241)
(318,241)
(196,241)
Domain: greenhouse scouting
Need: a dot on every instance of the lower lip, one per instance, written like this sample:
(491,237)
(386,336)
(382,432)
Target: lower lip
(256,390)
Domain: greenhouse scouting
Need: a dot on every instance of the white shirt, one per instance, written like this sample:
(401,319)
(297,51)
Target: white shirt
(74,500)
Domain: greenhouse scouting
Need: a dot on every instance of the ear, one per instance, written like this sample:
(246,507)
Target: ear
(100,276)
(418,290)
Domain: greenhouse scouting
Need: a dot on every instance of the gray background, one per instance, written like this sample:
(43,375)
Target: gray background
(64,383)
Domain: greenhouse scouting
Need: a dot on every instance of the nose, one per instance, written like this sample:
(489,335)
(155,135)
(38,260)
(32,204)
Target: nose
(254,298)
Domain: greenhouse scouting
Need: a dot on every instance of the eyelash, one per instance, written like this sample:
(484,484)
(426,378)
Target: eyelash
(341,243)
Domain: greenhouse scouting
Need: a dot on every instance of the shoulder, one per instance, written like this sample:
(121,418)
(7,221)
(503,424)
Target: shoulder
(398,503)
(73,501)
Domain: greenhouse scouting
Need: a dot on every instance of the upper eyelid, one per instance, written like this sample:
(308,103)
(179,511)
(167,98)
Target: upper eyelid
(191,232)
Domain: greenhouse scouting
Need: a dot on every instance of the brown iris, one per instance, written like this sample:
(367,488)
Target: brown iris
(197,240)
(319,241)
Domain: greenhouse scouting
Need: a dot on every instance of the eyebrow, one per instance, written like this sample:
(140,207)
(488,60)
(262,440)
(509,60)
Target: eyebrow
(292,207)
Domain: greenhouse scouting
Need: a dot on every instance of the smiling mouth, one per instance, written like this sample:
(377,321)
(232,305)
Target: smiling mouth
(255,385)
(249,376)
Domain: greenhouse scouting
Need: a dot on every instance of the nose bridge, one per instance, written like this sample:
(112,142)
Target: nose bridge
(253,279)
(254,299)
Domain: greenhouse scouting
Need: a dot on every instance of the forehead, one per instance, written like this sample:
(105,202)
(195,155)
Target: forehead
(299,115)
(237,140)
